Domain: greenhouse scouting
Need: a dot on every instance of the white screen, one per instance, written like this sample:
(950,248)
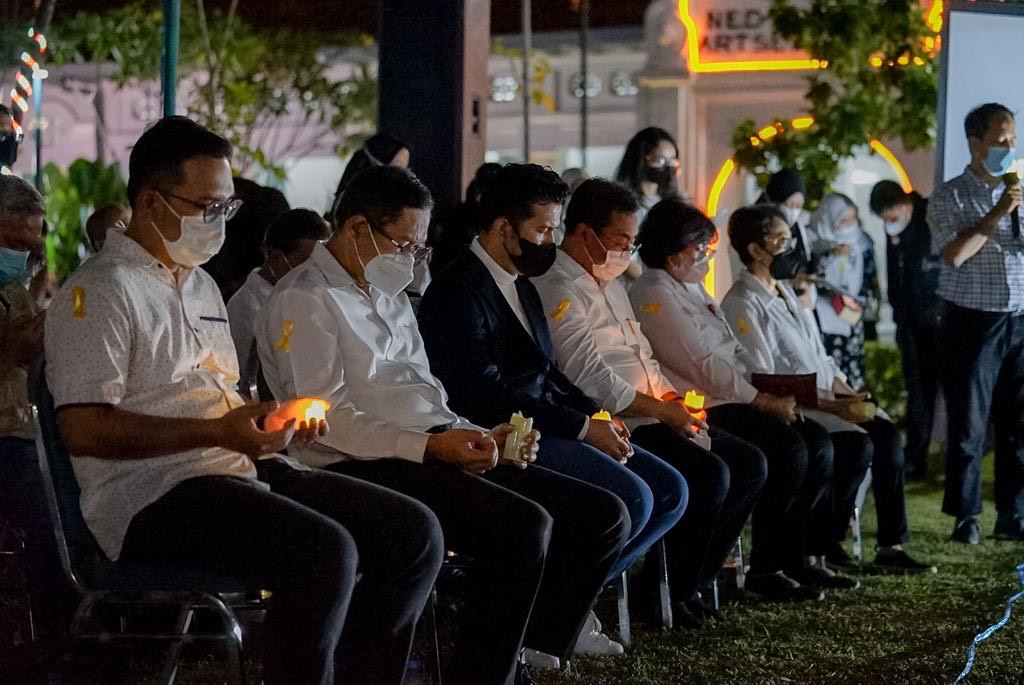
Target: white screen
(982,65)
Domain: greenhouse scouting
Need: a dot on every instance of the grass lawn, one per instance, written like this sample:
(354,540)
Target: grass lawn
(890,630)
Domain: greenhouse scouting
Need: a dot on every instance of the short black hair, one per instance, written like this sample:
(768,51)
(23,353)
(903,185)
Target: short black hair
(515,189)
(595,201)
(160,152)
(751,225)
(671,226)
(887,194)
(381,194)
(978,120)
(293,226)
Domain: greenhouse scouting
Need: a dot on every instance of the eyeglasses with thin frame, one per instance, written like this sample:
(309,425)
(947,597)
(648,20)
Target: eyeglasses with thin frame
(212,210)
(418,252)
(661,162)
(632,249)
(786,243)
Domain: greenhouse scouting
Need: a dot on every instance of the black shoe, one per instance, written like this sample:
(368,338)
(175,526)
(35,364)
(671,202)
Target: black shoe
(898,561)
(966,531)
(685,618)
(778,587)
(836,556)
(823,578)
(1008,528)
(704,605)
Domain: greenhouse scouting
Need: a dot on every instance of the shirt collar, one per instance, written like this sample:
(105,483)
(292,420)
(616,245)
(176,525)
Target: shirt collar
(974,179)
(331,268)
(503,278)
(120,246)
(755,286)
(572,268)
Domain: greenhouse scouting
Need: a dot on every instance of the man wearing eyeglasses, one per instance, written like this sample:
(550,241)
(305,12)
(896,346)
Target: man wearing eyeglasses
(340,327)
(601,349)
(175,468)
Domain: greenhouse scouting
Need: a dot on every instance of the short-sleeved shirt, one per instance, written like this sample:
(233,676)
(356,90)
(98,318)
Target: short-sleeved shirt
(597,337)
(993,279)
(124,331)
(15,415)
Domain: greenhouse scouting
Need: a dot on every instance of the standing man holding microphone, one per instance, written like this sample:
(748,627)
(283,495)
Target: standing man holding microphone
(975,226)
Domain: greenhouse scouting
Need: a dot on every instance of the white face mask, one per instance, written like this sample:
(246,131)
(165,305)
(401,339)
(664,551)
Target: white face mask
(198,241)
(389,273)
(615,262)
(696,272)
(792,214)
(895,228)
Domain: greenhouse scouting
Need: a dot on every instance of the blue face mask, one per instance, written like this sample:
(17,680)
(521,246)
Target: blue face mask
(13,265)
(999,160)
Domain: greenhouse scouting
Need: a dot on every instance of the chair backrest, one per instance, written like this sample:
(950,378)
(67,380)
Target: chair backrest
(79,551)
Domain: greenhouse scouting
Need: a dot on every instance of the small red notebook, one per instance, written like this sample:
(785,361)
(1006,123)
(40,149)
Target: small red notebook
(803,387)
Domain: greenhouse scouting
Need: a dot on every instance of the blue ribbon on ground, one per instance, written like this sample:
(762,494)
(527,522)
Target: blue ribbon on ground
(987,633)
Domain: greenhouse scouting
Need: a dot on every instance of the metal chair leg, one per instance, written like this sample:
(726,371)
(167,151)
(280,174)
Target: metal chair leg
(181,627)
(622,604)
(858,539)
(664,595)
(740,562)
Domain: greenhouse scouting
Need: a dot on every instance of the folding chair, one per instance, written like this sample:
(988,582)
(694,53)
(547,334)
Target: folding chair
(621,585)
(122,586)
(855,520)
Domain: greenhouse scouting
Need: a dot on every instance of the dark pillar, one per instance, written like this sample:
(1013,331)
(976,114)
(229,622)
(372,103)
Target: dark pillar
(434,85)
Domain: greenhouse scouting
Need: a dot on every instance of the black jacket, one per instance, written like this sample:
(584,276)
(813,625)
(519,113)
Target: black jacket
(489,365)
(913,272)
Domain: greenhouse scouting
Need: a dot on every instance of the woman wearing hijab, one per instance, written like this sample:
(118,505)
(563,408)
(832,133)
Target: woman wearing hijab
(847,283)
(380,149)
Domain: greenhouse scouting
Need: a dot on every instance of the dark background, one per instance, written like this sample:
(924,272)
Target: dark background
(339,15)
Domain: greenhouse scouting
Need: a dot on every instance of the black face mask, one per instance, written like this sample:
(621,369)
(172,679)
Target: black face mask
(8,149)
(662,175)
(533,260)
(785,265)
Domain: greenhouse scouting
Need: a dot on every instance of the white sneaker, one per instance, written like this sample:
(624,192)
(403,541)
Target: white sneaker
(595,643)
(540,660)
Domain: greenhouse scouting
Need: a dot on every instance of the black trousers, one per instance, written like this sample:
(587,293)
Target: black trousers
(799,477)
(531,534)
(23,505)
(724,484)
(922,360)
(305,541)
(983,379)
(882,451)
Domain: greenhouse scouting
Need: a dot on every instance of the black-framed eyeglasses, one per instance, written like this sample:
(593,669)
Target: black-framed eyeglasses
(212,210)
(418,252)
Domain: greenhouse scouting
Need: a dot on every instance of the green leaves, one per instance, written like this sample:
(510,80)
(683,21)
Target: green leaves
(71,196)
(879,83)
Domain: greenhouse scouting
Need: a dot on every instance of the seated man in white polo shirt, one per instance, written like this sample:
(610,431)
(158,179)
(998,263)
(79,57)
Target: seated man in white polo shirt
(174,468)
(340,327)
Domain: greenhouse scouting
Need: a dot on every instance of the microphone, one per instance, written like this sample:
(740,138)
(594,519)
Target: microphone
(1011,179)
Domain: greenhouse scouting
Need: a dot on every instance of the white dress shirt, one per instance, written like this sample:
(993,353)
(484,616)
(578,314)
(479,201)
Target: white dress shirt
(505,281)
(124,331)
(597,338)
(244,309)
(777,334)
(322,336)
(691,338)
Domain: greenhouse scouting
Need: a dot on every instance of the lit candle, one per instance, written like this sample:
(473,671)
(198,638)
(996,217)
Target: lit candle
(521,427)
(302,409)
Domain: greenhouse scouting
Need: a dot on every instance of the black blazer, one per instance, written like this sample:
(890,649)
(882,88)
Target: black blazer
(489,365)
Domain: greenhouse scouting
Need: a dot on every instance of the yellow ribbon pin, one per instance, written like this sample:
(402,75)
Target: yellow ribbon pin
(560,310)
(77,303)
(652,308)
(286,333)
(742,326)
